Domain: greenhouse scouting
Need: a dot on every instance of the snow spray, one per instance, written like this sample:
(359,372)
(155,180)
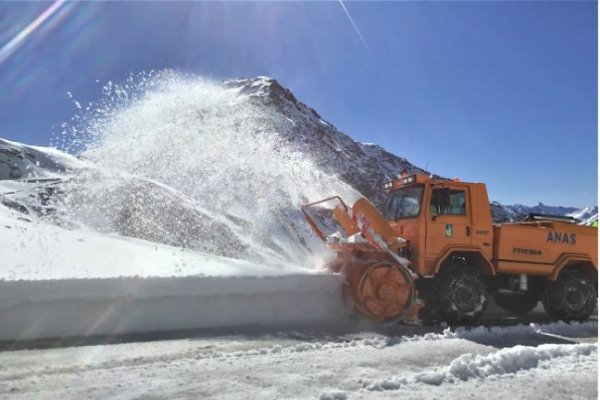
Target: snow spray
(182,160)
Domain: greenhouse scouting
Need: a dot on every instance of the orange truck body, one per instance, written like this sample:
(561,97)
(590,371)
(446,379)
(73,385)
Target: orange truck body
(436,249)
(539,247)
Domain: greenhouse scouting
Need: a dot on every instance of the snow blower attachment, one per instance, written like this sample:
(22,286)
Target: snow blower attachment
(378,282)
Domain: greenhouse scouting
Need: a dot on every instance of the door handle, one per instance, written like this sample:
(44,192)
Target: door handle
(468,231)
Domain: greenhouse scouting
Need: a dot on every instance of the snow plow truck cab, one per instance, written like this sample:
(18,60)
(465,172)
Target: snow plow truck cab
(435,251)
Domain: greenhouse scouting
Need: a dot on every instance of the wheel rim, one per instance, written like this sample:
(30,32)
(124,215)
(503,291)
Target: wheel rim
(575,298)
(465,297)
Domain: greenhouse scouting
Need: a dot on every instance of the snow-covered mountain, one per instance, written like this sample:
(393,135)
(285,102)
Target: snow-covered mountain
(502,213)
(364,166)
(586,215)
(517,212)
(22,162)
(541,208)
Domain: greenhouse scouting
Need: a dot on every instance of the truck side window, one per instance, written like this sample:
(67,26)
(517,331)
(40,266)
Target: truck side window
(446,201)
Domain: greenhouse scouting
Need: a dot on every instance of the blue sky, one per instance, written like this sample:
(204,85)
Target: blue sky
(497,92)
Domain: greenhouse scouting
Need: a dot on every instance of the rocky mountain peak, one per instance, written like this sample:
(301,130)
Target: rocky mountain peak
(270,91)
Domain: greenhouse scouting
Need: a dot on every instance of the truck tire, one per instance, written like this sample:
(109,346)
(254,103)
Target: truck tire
(571,298)
(517,303)
(460,295)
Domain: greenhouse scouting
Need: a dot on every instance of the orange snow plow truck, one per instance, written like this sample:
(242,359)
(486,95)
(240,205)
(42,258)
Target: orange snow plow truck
(435,255)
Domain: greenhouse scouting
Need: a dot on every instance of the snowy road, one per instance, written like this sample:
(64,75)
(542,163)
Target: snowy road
(543,360)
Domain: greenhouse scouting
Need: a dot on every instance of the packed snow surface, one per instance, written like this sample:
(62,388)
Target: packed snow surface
(311,364)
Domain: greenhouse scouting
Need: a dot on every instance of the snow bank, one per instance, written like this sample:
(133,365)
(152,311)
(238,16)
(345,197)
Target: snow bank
(57,282)
(511,360)
(502,362)
(83,307)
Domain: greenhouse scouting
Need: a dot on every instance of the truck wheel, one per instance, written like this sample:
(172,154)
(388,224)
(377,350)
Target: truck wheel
(517,303)
(571,298)
(460,295)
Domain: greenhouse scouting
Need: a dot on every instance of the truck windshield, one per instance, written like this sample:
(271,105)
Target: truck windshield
(404,203)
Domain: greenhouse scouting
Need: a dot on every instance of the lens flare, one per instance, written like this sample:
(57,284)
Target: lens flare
(361,37)
(12,45)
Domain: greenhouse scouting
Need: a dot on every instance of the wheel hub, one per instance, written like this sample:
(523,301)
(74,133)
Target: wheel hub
(385,292)
(575,299)
(465,297)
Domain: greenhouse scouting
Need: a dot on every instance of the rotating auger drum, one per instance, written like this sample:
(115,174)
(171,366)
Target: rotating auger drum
(378,281)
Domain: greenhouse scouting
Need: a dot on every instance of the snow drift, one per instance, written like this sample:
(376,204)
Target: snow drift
(502,362)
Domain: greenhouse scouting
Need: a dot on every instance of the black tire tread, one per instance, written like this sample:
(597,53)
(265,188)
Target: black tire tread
(444,308)
(556,290)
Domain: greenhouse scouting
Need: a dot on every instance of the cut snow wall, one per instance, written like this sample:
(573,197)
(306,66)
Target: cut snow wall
(84,307)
